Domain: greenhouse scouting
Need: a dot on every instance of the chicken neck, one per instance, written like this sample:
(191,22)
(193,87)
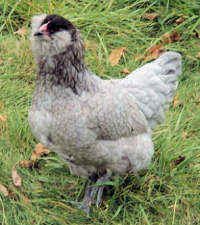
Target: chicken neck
(66,69)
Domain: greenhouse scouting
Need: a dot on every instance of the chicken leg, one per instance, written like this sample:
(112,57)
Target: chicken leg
(93,191)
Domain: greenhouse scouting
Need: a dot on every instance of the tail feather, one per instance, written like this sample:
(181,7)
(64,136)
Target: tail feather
(154,85)
(170,65)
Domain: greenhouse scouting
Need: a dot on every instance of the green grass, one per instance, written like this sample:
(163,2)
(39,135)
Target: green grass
(166,193)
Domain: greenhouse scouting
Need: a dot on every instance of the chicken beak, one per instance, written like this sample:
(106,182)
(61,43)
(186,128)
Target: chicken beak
(38,33)
(43,30)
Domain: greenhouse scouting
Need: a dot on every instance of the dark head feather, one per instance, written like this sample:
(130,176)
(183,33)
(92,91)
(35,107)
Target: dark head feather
(57,23)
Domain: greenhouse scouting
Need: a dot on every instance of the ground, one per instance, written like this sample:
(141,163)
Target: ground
(168,192)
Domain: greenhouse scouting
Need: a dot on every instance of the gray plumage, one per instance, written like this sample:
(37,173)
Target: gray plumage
(94,124)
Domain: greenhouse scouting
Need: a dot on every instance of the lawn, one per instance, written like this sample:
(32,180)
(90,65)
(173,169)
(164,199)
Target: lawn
(169,192)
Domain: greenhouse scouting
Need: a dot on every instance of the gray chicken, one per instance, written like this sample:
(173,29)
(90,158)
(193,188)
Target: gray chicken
(99,127)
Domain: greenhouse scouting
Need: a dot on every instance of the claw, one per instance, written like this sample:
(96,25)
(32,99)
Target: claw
(85,208)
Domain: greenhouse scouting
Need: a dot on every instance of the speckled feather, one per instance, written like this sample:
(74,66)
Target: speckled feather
(91,123)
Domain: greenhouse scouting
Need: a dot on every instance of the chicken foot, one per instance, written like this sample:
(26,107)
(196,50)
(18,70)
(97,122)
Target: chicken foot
(94,191)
